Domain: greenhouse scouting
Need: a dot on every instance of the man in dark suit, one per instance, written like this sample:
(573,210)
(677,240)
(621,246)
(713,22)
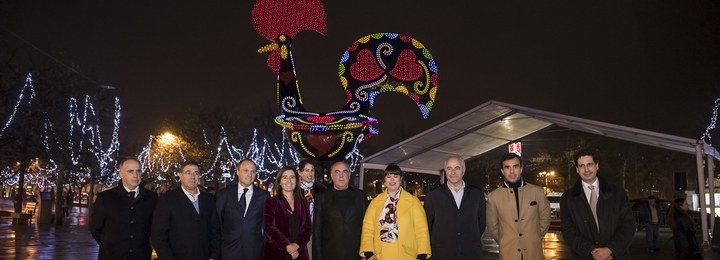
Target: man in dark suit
(122,216)
(338,217)
(240,207)
(185,222)
(597,222)
(456,215)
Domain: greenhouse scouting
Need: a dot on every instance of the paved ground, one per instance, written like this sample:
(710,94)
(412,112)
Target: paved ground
(69,241)
(73,241)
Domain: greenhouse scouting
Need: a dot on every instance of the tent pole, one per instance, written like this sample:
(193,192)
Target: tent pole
(711,182)
(361,177)
(701,191)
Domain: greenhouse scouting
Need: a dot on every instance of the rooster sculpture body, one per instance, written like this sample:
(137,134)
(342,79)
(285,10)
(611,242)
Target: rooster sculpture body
(376,63)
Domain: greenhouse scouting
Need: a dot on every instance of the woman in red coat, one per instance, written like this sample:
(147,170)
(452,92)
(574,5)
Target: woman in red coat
(287,219)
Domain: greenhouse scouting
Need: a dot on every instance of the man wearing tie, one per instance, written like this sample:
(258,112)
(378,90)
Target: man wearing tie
(122,216)
(597,222)
(185,222)
(240,208)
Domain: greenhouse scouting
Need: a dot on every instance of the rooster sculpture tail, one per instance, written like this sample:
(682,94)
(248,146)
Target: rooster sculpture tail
(374,64)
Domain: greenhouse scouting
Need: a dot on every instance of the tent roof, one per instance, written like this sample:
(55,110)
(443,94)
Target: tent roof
(494,124)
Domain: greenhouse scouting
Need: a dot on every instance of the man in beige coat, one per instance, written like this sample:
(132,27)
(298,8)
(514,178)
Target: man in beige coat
(518,213)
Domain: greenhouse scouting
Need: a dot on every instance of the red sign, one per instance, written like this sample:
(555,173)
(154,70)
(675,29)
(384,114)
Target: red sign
(515,148)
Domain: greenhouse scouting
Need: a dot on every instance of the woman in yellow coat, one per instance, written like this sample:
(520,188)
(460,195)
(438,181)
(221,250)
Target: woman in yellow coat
(395,226)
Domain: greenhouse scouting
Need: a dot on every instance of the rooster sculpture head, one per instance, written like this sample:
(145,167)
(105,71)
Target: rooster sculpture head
(278,21)
(374,64)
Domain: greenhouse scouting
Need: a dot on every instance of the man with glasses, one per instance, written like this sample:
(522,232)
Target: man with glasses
(456,215)
(597,221)
(338,217)
(122,216)
(185,222)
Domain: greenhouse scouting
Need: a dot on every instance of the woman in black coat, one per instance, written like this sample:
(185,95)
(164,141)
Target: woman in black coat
(683,227)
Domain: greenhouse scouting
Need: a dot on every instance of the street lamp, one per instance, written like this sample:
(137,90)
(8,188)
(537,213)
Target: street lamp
(546,175)
(167,138)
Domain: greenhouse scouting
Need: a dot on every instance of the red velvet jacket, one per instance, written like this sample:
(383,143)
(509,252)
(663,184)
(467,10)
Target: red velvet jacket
(277,228)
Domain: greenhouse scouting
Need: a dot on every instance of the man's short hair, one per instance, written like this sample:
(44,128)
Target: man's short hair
(457,157)
(125,159)
(237,166)
(585,152)
(185,164)
(510,156)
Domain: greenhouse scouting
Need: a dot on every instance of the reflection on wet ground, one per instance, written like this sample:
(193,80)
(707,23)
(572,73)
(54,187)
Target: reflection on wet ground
(73,241)
(69,241)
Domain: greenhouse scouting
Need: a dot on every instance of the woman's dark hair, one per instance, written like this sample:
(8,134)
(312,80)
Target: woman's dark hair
(278,188)
(393,169)
(304,162)
(675,211)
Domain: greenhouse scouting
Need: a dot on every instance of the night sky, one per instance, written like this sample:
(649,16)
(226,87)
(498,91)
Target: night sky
(653,65)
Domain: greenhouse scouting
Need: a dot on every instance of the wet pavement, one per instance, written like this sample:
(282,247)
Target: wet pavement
(73,241)
(69,241)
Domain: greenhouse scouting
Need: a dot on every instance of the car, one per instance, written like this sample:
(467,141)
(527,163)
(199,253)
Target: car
(489,244)
(554,198)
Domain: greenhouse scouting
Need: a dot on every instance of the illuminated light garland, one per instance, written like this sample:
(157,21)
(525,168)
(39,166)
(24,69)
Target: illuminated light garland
(268,158)
(346,137)
(363,71)
(28,87)
(82,136)
(713,123)
(297,138)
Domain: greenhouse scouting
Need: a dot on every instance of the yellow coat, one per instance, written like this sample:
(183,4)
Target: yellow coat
(413,236)
(518,237)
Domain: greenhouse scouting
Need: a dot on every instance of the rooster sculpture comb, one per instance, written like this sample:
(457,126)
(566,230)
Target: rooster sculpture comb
(374,64)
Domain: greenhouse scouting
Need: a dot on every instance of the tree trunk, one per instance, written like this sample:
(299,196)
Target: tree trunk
(20,197)
(91,196)
(59,198)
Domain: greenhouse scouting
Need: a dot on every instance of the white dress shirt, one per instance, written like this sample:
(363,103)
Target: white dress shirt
(190,196)
(457,195)
(136,190)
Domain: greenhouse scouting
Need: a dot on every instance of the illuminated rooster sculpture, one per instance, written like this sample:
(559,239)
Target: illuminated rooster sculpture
(376,63)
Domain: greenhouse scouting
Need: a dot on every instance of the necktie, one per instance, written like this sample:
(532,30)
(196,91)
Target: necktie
(131,197)
(242,201)
(593,204)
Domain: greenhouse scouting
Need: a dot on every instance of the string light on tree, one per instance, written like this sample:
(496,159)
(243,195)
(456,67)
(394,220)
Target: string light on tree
(84,137)
(27,92)
(268,156)
(713,123)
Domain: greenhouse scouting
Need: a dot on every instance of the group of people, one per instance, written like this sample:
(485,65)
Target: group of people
(305,219)
(680,222)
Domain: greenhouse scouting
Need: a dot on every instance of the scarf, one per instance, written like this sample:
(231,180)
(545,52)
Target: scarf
(307,191)
(388,219)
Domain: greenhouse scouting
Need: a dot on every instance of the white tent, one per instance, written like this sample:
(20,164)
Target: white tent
(494,124)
